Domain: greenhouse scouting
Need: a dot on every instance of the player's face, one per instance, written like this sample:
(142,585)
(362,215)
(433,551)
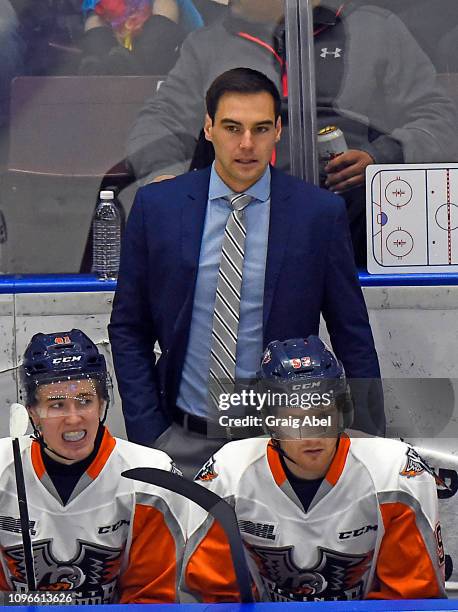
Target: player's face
(67,414)
(243,134)
(311,457)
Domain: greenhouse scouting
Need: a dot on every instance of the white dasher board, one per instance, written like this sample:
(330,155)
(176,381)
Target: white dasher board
(412,218)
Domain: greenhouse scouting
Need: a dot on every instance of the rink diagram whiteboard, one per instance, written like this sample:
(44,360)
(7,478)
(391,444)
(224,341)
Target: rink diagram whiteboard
(412,218)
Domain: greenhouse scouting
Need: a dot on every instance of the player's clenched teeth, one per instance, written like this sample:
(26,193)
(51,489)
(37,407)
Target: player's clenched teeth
(73,436)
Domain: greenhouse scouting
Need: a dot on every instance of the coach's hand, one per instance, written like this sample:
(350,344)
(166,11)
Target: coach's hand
(347,170)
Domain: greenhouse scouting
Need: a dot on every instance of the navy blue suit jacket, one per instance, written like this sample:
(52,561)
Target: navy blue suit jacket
(309,269)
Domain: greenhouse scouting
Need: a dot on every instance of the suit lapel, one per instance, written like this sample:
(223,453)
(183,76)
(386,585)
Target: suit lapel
(194,206)
(194,197)
(281,205)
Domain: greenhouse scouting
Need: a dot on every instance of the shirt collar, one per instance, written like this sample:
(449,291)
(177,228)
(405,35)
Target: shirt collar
(259,191)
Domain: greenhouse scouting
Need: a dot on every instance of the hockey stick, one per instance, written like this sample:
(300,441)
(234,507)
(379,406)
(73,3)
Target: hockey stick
(19,420)
(214,505)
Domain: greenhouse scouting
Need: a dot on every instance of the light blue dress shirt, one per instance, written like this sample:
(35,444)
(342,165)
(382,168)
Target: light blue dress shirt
(192,395)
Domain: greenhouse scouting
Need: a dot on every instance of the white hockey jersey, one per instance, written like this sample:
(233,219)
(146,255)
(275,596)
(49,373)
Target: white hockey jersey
(115,540)
(371,531)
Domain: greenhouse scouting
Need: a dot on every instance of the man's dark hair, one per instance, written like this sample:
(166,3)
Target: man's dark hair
(242,81)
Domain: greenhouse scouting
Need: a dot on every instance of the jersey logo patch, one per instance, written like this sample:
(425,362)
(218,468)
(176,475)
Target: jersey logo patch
(8,523)
(174,469)
(261,530)
(355,533)
(92,572)
(207,471)
(415,465)
(335,576)
(439,544)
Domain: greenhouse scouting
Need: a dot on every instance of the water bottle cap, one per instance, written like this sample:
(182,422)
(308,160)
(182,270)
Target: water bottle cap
(107,195)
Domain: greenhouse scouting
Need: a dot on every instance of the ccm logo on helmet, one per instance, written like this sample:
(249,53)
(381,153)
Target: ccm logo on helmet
(67,359)
(309,385)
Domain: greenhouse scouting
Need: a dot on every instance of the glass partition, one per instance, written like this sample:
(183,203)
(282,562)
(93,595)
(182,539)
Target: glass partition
(91,99)
(386,93)
(96,97)
(386,90)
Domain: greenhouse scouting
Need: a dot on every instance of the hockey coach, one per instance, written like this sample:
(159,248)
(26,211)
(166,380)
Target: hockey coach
(219,262)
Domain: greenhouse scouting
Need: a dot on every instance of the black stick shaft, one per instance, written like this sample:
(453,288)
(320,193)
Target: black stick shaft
(214,505)
(24,517)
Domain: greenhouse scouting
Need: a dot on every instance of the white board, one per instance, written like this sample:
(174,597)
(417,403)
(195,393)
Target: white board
(412,218)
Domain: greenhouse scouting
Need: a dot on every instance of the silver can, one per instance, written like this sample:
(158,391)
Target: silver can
(331,143)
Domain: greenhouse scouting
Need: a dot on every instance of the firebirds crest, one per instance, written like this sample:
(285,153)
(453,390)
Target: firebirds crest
(335,576)
(91,573)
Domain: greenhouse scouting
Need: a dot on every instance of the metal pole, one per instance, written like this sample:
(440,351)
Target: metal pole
(301,86)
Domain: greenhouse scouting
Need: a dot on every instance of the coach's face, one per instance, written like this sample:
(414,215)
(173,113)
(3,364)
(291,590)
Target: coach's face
(243,133)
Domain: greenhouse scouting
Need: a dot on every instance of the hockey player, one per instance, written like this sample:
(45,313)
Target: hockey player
(323,516)
(94,534)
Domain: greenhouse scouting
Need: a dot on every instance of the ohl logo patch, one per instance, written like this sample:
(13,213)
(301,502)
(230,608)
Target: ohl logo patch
(92,572)
(207,472)
(335,576)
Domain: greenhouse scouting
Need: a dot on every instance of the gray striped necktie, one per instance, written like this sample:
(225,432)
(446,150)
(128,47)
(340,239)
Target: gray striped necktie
(227,303)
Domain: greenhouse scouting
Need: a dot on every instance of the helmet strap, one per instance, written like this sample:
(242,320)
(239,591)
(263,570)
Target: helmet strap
(105,412)
(38,437)
(276,446)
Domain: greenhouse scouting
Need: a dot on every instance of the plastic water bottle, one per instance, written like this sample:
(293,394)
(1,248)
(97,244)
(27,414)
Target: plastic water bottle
(106,245)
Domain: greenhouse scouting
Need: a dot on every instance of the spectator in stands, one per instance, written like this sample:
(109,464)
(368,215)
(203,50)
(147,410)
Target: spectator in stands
(429,21)
(50,31)
(379,89)
(135,36)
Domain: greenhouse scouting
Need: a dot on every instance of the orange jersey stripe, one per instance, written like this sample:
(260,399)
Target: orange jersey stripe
(404,567)
(150,576)
(37,460)
(275,465)
(106,447)
(338,463)
(209,572)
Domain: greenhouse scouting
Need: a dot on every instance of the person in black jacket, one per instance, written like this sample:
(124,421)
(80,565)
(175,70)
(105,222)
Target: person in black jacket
(151,45)
(372,81)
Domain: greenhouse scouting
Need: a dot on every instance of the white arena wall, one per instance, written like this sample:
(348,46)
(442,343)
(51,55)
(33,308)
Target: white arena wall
(416,335)
(415,330)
